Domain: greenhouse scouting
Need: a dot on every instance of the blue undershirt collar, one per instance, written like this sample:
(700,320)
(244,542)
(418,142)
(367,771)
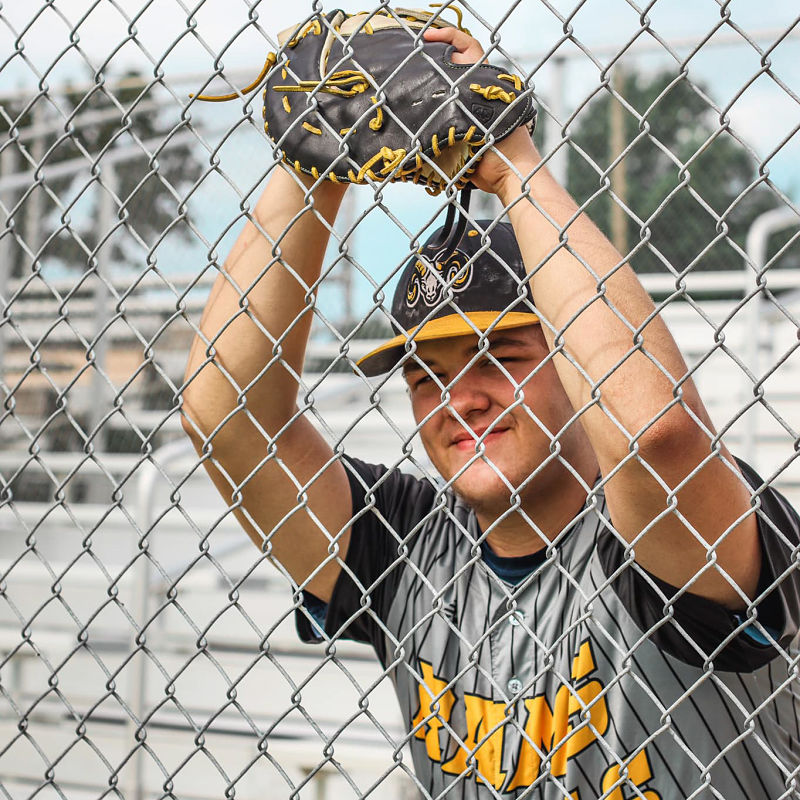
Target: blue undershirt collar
(512,569)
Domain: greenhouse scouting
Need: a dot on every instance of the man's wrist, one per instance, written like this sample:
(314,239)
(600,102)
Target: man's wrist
(519,179)
(335,189)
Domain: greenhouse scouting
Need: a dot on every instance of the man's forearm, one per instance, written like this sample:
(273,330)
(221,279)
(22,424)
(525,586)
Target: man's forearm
(595,315)
(261,304)
(242,382)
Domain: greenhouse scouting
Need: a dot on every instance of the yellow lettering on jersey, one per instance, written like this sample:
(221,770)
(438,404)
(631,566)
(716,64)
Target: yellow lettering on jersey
(539,739)
(639,773)
(545,727)
(586,699)
(583,663)
(483,742)
(429,718)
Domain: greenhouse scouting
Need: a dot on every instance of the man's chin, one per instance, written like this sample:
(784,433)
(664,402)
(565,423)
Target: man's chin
(483,484)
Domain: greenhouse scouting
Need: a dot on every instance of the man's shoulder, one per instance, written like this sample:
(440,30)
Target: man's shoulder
(399,497)
(380,481)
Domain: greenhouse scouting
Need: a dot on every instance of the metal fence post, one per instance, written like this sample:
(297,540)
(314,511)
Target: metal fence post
(34,206)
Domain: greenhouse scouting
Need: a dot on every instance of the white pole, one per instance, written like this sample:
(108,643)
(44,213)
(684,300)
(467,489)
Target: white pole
(8,166)
(619,177)
(150,476)
(756,247)
(34,204)
(554,121)
(99,404)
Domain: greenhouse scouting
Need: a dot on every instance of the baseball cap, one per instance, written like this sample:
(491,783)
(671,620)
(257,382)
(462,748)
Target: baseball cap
(451,290)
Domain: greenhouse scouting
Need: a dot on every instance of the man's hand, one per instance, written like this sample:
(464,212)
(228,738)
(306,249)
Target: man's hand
(468,49)
(495,173)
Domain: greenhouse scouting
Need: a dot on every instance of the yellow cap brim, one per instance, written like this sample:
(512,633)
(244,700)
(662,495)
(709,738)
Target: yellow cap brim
(383,358)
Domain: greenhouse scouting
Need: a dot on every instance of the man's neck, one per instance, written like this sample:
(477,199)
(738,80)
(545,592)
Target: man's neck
(548,508)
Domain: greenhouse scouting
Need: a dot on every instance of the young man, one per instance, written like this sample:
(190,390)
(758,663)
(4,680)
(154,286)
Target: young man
(584,607)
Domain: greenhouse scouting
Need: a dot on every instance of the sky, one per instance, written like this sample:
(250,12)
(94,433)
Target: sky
(56,42)
(126,33)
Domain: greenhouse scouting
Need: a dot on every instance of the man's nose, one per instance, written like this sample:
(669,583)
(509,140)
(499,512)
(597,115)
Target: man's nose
(468,396)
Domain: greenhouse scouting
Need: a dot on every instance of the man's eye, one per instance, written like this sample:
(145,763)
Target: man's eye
(425,379)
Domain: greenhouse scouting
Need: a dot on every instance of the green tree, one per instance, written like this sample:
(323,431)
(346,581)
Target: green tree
(677,205)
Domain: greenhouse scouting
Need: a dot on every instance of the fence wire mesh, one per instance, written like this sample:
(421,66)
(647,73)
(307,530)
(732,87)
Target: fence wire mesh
(148,649)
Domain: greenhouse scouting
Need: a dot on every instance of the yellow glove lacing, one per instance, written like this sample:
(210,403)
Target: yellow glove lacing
(349,83)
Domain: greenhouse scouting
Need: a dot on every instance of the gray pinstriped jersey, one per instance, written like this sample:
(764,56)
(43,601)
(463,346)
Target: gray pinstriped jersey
(554,688)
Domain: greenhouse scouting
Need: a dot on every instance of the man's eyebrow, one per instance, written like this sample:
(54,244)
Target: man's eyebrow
(415,365)
(501,341)
(418,364)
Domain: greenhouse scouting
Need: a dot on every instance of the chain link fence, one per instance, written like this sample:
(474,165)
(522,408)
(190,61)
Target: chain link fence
(147,648)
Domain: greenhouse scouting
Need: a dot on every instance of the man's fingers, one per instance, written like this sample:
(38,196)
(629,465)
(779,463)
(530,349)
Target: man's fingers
(468,50)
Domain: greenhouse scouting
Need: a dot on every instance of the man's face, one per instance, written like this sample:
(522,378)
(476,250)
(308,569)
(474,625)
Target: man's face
(483,408)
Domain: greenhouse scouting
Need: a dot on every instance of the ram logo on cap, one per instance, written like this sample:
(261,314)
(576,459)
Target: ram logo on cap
(430,280)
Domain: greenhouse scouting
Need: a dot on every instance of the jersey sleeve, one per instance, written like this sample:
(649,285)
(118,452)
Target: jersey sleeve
(698,627)
(388,508)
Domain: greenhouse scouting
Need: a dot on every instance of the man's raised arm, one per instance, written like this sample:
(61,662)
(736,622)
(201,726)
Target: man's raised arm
(671,489)
(668,492)
(240,400)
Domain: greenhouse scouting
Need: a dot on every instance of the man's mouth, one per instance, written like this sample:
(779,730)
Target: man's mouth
(468,440)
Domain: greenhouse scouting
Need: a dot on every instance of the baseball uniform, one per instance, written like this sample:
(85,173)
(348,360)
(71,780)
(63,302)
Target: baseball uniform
(571,673)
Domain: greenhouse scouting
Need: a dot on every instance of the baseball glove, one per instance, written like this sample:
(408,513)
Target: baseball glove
(389,108)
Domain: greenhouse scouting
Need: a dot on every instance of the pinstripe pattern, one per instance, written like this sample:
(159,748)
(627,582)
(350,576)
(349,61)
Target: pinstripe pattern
(644,723)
